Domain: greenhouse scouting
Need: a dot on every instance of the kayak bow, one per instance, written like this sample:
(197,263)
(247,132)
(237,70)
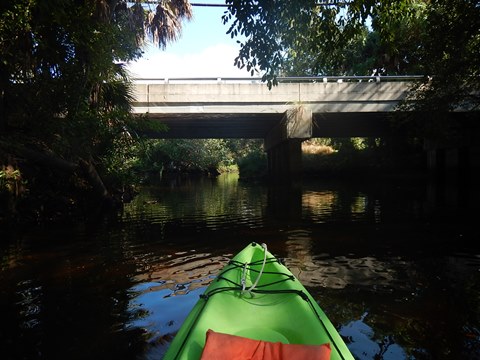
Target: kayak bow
(256,297)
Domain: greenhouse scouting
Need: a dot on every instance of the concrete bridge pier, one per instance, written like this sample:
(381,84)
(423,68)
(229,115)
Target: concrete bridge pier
(283,143)
(285,159)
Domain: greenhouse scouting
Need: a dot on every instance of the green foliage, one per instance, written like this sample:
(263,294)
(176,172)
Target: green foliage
(366,157)
(184,155)
(349,144)
(352,37)
(205,155)
(10,180)
(242,147)
(350,156)
(253,164)
(60,84)
(450,53)
(325,38)
(64,92)
(452,45)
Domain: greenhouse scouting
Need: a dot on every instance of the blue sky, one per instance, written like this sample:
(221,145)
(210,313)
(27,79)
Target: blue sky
(203,50)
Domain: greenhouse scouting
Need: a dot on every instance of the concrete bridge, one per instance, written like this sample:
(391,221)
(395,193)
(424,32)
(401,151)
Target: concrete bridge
(297,109)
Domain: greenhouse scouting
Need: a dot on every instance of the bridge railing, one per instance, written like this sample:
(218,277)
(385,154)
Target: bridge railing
(289,79)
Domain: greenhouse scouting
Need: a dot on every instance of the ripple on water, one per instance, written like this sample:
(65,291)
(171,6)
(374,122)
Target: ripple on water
(29,303)
(364,345)
(340,272)
(163,296)
(159,312)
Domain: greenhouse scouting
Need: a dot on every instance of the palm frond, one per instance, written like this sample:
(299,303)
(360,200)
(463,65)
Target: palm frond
(165,24)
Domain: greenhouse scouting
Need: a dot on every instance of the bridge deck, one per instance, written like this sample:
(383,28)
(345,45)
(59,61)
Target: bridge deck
(248,109)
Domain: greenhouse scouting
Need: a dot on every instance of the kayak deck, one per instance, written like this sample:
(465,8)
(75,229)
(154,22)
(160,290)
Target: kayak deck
(257,297)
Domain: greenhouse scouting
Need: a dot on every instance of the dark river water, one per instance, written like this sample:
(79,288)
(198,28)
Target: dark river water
(395,265)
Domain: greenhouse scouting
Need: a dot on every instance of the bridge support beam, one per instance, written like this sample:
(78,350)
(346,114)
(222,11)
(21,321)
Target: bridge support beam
(284,143)
(285,160)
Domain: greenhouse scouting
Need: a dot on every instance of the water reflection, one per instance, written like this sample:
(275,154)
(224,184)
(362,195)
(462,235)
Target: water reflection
(337,272)
(162,297)
(29,304)
(360,339)
(323,205)
(159,313)
(182,272)
(397,274)
(197,204)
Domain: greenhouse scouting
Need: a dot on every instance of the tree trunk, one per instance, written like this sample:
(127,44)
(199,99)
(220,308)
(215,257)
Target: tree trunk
(51,161)
(48,160)
(94,179)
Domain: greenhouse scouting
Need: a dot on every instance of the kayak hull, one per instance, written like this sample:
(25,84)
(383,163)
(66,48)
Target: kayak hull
(257,297)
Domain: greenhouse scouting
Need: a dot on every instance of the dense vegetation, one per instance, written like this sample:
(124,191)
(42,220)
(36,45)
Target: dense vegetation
(66,132)
(200,156)
(65,99)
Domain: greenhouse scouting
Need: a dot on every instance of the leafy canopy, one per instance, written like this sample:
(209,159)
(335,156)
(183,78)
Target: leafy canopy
(64,92)
(439,38)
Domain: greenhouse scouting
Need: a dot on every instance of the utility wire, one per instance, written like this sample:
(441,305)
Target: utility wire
(208,5)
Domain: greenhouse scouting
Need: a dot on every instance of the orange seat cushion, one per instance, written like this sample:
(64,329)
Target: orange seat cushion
(219,346)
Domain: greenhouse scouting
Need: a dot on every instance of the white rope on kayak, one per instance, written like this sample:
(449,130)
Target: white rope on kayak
(244,273)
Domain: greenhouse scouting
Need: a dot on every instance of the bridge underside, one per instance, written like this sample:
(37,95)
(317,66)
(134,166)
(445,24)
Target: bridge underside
(258,125)
(215,126)
(282,132)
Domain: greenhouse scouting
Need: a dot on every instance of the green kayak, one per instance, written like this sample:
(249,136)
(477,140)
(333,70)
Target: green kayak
(256,297)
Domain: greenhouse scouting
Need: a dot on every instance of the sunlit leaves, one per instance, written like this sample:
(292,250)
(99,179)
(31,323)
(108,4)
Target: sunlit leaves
(450,53)
(185,154)
(276,30)
(323,36)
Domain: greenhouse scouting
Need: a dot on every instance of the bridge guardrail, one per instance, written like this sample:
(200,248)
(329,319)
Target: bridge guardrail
(289,79)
